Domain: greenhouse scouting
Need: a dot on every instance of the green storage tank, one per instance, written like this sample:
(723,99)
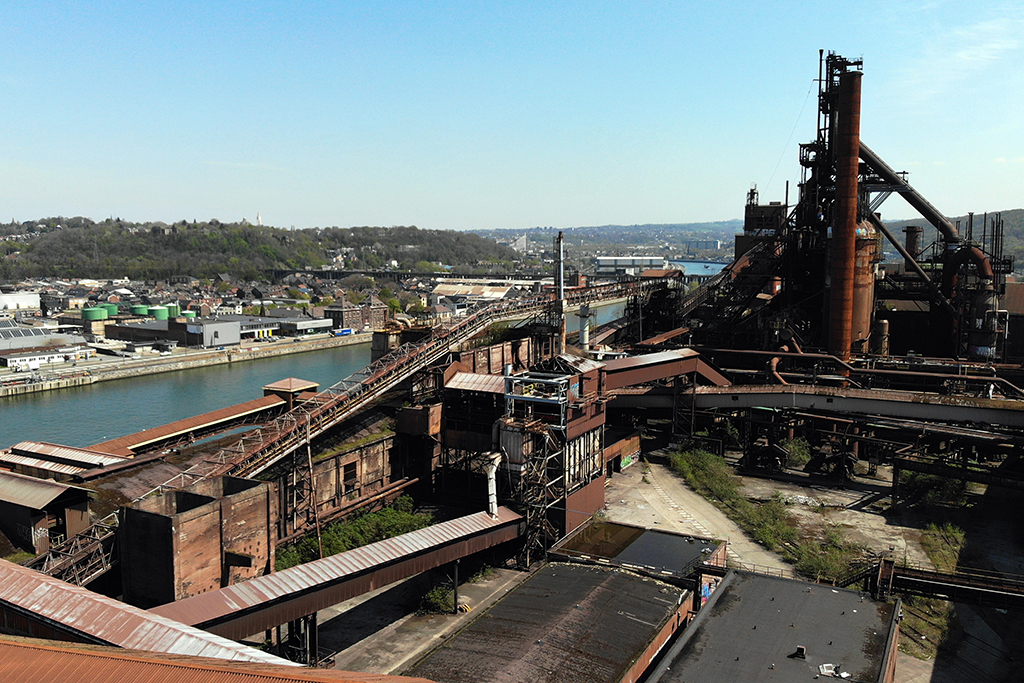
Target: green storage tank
(173,310)
(158,312)
(111,308)
(189,314)
(139,309)
(94,313)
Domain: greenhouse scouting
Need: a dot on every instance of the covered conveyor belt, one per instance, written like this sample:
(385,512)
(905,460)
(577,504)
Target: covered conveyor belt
(215,419)
(263,603)
(903,404)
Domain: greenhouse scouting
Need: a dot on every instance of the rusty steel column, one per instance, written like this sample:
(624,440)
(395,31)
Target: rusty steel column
(844,227)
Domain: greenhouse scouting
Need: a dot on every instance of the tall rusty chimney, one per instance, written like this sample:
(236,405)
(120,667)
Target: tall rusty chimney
(844,230)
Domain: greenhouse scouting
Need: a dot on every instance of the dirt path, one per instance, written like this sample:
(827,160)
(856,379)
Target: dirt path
(664,500)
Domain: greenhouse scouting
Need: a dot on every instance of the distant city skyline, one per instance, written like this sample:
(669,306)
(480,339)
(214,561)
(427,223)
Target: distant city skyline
(471,115)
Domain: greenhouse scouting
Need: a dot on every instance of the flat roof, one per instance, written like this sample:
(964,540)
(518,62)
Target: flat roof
(472,381)
(567,622)
(625,545)
(752,624)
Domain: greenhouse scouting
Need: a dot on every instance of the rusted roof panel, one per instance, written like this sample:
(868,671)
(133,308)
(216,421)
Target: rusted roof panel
(215,606)
(51,467)
(648,359)
(292,384)
(125,444)
(103,620)
(30,661)
(471,381)
(31,492)
(664,337)
(69,455)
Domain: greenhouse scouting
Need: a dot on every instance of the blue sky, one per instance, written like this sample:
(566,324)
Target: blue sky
(485,114)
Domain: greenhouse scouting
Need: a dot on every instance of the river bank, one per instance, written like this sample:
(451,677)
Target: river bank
(105,369)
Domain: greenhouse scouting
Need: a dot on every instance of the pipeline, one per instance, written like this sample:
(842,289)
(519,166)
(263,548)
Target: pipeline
(981,341)
(1006,387)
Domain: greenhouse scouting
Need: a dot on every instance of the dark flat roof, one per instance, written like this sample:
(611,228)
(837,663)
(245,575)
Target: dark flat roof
(633,546)
(752,622)
(568,622)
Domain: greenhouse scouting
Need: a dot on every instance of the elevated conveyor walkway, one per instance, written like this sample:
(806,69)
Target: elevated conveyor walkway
(263,603)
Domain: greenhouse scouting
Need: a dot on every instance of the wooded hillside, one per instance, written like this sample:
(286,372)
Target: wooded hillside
(78,247)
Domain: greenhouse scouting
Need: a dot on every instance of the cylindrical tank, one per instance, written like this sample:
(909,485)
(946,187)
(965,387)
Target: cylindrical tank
(880,338)
(94,313)
(188,314)
(173,310)
(158,312)
(863,285)
(139,309)
(111,308)
(844,232)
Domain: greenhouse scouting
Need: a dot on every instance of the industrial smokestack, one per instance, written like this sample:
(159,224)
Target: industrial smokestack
(560,289)
(913,243)
(844,230)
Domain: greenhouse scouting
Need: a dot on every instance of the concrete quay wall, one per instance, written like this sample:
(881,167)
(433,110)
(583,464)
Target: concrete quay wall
(197,359)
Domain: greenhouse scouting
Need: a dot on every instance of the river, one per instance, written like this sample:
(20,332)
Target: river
(82,416)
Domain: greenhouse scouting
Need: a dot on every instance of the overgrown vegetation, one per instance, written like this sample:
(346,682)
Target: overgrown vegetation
(770,522)
(932,490)
(928,622)
(799,452)
(438,600)
(370,527)
(943,543)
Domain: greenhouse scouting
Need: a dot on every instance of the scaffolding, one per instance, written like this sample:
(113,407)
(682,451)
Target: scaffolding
(533,438)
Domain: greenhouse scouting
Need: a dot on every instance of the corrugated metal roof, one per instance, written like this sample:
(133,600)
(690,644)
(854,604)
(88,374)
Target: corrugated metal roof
(27,661)
(471,381)
(31,492)
(67,454)
(47,465)
(109,621)
(125,444)
(207,607)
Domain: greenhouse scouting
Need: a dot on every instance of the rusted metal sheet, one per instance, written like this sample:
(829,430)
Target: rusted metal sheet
(624,372)
(58,471)
(469,381)
(268,601)
(32,662)
(581,505)
(88,617)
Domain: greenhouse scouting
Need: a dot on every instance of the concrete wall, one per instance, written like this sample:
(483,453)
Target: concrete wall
(219,532)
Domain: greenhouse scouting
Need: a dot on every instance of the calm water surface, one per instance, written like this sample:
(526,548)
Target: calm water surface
(83,416)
